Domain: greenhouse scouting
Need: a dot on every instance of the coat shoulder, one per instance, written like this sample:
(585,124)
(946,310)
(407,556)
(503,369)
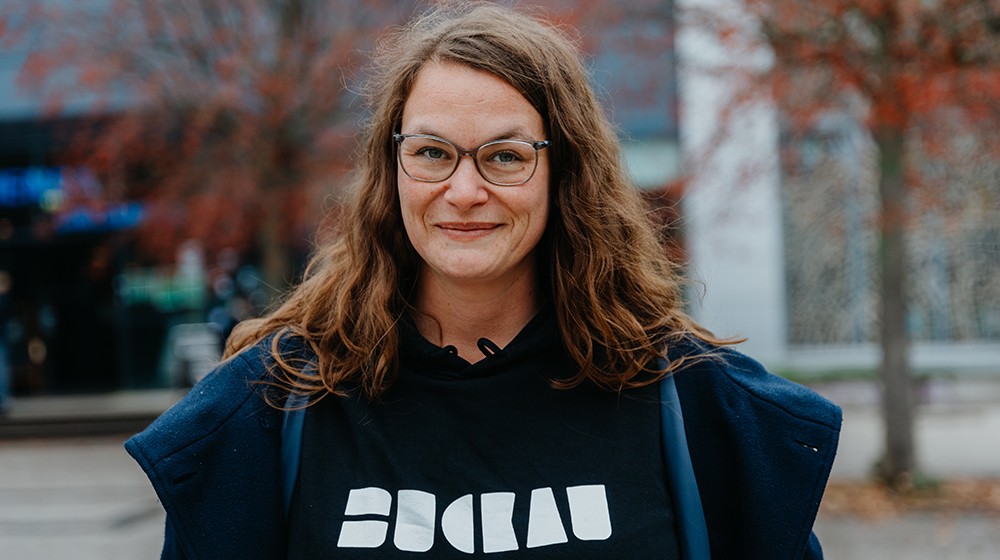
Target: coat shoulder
(796,399)
(213,401)
(729,372)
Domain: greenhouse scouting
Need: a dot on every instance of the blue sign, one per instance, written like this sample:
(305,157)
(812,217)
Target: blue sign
(45,186)
(27,187)
(52,188)
(111,218)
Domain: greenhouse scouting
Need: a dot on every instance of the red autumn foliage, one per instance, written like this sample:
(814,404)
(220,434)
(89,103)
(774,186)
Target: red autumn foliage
(226,118)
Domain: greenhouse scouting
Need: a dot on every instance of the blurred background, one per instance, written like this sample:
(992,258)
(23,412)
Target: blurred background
(828,171)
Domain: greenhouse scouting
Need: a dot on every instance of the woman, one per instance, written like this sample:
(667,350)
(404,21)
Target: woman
(492,357)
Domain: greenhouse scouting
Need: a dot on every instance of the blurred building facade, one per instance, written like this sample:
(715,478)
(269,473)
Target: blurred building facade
(59,318)
(80,314)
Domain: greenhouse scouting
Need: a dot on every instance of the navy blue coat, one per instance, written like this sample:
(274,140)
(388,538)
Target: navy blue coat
(761,448)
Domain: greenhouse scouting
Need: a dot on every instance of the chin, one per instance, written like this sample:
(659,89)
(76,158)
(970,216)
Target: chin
(465,272)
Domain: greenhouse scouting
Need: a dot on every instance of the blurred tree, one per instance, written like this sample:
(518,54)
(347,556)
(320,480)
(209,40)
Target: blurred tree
(229,118)
(916,73)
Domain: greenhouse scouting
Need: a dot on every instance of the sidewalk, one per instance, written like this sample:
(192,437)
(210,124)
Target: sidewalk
(957,435)
(910,537)
(70,491)
(957,427)
(76,499)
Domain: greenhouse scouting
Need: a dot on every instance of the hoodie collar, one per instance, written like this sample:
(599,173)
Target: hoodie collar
(540,334)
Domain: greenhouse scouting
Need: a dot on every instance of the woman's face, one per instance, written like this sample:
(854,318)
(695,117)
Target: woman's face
(464,227)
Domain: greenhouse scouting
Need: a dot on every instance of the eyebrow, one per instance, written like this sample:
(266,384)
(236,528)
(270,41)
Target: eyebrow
(516,133)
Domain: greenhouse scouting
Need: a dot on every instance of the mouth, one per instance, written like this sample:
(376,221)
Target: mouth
(468,226)
(467,230)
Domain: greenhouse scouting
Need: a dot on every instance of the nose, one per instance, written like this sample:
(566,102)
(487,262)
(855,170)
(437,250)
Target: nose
(466,188)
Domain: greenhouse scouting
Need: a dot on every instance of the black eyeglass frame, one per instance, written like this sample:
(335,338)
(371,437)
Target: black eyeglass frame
(473,153)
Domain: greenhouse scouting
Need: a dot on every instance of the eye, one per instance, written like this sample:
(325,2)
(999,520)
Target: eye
(505,156)
(432,152)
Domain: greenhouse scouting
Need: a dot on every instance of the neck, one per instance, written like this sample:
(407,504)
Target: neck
(460,313)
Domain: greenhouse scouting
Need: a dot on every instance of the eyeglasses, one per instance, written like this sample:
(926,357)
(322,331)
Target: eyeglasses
(506,163)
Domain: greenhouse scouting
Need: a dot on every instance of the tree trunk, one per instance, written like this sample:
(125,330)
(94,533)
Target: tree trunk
(275,258)
(899,461)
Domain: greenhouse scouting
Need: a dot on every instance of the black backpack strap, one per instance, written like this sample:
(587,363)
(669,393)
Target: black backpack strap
(291,444)
(692,529)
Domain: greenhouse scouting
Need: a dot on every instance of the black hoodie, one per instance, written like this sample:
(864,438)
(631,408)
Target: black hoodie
(484,458)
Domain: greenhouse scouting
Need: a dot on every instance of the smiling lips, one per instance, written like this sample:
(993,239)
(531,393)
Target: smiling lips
(467,230)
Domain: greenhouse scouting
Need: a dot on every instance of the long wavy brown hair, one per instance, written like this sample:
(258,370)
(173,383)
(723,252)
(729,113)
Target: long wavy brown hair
(616,295)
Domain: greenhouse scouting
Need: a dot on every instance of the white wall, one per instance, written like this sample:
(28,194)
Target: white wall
(732,207)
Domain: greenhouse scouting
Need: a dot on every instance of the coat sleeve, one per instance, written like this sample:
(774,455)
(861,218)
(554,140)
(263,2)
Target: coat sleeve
(813,549)
(171,547)
(213,461)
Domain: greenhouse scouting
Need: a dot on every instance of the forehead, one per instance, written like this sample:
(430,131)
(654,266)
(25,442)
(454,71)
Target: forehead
(468,106)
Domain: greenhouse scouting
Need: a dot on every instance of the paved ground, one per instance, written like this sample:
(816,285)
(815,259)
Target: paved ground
(957,429)
(80,499)
(911,537)
(957,434)
(83,498)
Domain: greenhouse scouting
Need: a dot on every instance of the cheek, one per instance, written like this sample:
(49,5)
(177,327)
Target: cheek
(539,208)
(409,199)
(406,204)
(542,218)
(543,201)
(414,201)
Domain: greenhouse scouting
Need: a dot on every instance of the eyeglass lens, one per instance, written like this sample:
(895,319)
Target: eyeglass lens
(505,162)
